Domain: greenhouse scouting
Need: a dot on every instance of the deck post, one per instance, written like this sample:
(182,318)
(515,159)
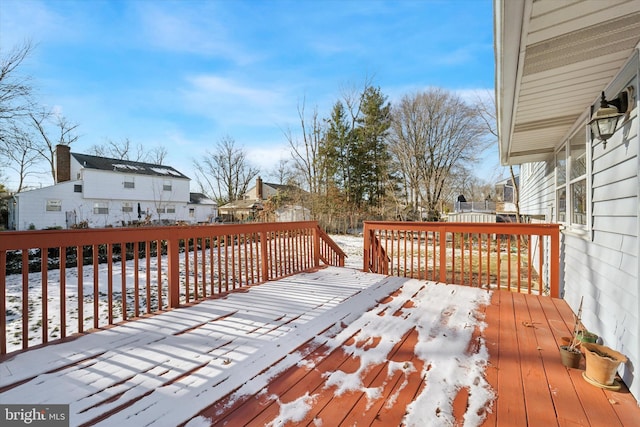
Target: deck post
(554,261)
(264,256)
(3,306)
(316,247)
(443,255)
(366,263)
(173,279)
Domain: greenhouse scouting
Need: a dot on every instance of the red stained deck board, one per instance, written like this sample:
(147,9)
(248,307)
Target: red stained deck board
(568,409)
(492,341)
(511,410)
(539,405)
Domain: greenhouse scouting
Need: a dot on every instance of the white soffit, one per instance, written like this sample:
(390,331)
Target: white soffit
(553,58)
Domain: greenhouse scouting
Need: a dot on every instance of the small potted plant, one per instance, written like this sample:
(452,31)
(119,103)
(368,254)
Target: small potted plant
(570,353)
(586,336)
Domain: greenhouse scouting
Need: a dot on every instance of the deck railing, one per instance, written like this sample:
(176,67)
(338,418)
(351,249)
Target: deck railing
(55,283)
(516,257)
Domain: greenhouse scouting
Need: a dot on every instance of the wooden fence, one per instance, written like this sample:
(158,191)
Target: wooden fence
(55,283)
(516,257)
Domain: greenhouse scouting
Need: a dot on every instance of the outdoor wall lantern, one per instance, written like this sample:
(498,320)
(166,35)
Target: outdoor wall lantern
(605,120)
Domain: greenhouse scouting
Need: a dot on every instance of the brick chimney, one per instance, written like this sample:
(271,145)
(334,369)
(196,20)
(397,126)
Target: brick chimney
(63,163)
(259,188)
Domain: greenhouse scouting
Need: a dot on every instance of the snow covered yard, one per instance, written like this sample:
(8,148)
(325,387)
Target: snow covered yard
(168,369)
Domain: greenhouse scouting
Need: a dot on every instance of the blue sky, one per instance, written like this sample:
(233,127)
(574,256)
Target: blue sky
(185,74)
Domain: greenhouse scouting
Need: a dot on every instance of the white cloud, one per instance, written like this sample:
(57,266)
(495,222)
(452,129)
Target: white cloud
(198,31)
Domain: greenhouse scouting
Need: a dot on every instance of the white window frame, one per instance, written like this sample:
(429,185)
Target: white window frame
(127,207)
(568,155)
(100,208)
(53,205)
(167,185)
(129,183)
(561,155)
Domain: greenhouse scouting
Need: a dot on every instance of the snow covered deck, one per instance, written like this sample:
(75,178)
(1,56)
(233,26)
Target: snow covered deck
(324,348)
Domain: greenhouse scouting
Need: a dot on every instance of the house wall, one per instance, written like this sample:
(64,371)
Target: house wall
(202,212)
(267,191)
(537,189)
(600,263)
(108,185)
(119,204)
(31,209)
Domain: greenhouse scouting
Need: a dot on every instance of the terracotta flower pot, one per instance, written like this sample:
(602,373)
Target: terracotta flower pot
(570,358)
(602,363)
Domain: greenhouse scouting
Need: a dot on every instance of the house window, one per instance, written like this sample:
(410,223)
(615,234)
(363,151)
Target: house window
(100,208)
(571,181)
(561,185)
(129,183)
(578,177)
(192,212)
(54,205)
(77,188)
(127,207)
(166,185)
(171,209)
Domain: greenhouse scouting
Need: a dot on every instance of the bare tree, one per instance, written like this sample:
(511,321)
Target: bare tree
(64,134)
(487,110)
(306,151)
(282,172)
(15,105)
(19,153)
(433,132)
(157,155)
(122,150)
(15,89)
(224,174)
(126,150)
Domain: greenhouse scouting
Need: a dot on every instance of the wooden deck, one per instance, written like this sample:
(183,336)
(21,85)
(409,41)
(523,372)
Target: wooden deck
(239,360)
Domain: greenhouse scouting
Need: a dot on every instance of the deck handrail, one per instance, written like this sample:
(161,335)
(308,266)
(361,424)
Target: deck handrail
(141,271)
(498,255)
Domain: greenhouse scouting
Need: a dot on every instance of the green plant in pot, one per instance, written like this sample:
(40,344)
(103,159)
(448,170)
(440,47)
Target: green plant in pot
(586,336)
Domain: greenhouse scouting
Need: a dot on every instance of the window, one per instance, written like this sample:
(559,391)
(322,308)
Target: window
(561,188)
(166,209)
(129,183)
(100,208)
(127,207)
(192,212)
(578,177)
(571,181)
(77,188)
(166,185)
(54,205)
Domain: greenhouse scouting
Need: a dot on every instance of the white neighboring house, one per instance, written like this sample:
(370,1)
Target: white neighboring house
(554,60)
(100,192)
